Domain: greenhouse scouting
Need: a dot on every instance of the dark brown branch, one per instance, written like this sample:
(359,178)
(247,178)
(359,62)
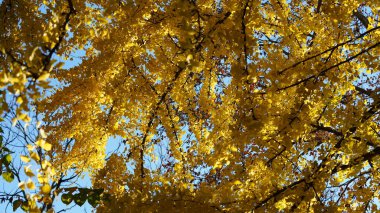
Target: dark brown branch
(330,68)
(363,158)
(62,34)
(269,162)
(319,6)
(327,129)
(243,31)
(328,50)
(278,192)
(153,115)
(363,91)
(366,157)
(361,18)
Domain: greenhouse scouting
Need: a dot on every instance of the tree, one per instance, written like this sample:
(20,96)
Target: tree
(206,105)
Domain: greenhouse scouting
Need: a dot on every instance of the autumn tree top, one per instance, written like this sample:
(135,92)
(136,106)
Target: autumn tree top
(212,106)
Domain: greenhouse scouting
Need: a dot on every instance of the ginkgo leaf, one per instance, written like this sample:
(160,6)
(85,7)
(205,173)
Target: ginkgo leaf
(45,164)
(16,204)
(19,100)
(237,182)
(31,57)
(42,133)
(45,188)
(34,156)
(30,184)
(60,64)
(47,146)
(66,198)
(234,148)
(7,159)
(8,176)
(25,159)
(28,171)
(43,77)
(30,147)
(189,58)
(21,185)
(45,37)
(282,204)
(43,144)
(42,178)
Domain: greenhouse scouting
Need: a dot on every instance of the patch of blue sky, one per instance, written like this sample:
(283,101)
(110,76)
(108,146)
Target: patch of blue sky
(18,144)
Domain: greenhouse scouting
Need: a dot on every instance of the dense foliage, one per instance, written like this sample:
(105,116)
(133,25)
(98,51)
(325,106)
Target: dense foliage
(191,105)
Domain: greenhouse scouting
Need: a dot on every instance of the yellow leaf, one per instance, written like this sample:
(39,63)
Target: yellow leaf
(47,146)
(21,185)
(30,147)
(282,204)
(14,121)
(176,119)
(149,137)
(59,65)
(45,189)
(45,164)
(42,178)
(34,156)
(45,37)
(40,142)
(189,58)
(345,159)
(31,57)
(28,171)
(237,182)
(43,144)
(44,76)
(30,184)
(52,171)
(19,100)
(47,200)
(25,159)
(43,134)
(218,165)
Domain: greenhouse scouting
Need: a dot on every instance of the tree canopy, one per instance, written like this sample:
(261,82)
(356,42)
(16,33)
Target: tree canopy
(191,105)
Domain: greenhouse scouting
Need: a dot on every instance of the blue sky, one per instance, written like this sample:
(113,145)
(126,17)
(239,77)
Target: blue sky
(82,182)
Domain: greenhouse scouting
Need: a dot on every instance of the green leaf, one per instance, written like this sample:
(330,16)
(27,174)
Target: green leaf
(106,197)
(5,149)
(93,200)
(16,204)
(98,191)
(7,159)
(83,191)
(67,198)
(8,176)
(79,199)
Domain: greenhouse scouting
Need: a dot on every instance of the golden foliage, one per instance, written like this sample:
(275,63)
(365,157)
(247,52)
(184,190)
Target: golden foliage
(220,105)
